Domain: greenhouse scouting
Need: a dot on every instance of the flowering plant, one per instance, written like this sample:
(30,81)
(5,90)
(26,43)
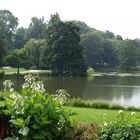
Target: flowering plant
(125,126)
(34,113)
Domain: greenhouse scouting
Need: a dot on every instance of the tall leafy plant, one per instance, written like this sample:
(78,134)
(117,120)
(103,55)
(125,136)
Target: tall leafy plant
(34,113)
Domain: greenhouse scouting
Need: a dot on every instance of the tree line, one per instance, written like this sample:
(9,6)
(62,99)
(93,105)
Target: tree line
(65,47)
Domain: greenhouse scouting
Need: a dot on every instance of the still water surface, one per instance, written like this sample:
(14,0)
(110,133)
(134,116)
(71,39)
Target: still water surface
(121,90)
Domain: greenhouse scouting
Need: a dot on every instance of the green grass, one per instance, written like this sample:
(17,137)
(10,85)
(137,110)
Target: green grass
(87,115)
(11,70)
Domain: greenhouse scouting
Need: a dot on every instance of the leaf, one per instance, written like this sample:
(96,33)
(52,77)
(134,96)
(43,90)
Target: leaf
(35,126)
(14,122)
(39,137)
(37,119)
(27,120)
(18,121)
(24,130)
(2,103)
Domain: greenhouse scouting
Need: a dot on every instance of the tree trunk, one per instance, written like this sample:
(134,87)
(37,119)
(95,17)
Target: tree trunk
(18,71)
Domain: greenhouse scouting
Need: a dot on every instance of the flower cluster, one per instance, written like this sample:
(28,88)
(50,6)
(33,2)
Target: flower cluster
(62,95)
(30,83)
(8,85)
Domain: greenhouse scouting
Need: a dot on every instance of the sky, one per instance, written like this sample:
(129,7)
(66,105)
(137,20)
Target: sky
(119,16)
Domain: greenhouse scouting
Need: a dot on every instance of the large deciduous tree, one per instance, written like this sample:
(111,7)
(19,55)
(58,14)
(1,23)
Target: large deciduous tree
(127,55)
(20,38)
(94,51)
(2,51)
(17,58)
(33,50)
(8,24)
(36,28)
(110,54)
(64,54)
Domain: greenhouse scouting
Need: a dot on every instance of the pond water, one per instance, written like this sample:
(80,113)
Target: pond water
(121,90)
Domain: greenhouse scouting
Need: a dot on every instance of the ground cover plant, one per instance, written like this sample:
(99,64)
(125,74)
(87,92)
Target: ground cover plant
(122,127)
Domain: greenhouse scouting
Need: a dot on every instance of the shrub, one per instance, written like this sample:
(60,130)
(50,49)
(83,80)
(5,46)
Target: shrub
(84,132)
(34,113)
(90,71)
(124,127)
(2,74)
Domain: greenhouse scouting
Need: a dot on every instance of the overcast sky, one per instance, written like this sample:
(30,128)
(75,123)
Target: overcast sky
(119,16)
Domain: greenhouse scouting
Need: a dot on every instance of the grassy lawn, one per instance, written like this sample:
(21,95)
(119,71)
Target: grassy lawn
(87,115)
(11,70)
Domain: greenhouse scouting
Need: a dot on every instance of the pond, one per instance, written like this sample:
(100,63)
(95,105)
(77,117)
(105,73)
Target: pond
(114,89)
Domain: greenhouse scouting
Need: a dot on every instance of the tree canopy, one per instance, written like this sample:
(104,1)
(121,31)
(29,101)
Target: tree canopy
(8,25)
(64,53)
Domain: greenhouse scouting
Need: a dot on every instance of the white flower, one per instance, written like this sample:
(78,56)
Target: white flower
(105,123)
(133,113)
(120,111)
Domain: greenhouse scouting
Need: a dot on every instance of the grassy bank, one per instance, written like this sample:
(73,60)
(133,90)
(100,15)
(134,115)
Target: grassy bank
(88,115)
(78,102)
(11,71)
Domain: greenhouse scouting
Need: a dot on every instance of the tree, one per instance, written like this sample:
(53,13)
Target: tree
(64,55)
(8,24)
(33,50)
(118,37)
(127,55)
(110,53)
(36,28)
(109,35)
(17,58)
(84,28)
(93,44)
(19,38)
(2,51)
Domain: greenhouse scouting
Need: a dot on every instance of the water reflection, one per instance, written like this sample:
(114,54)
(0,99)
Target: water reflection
(122,90)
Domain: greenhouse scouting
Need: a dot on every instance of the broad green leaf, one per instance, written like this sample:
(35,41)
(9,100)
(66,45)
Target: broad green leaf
(24,130)
(2,103)
(39,137)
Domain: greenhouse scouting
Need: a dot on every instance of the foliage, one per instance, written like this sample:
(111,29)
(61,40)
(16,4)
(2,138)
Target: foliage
(126,61)
(36,28)
(64,55)
(84,132)
(110,54)
(34,113)
(109,34)
(78,102)
(124,126)
(2,51)
(33,49)
(8,24)
(19,38)
(90,71)
(84,28)
(2,74)
(17,59)
(92,43)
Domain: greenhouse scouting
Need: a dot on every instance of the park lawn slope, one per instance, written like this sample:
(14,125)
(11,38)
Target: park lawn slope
(12,70)
(88,115)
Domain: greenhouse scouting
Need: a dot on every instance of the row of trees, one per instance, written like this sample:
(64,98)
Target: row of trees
(65,47)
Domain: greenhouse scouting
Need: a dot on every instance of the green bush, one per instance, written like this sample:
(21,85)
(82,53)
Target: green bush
(84,132)
(34,113)
(124,127)
(2,74)
(90,71)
